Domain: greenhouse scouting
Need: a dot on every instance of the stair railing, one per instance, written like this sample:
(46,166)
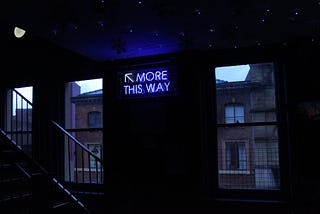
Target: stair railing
(18,120)
(81,164)
(17,127)
(43,185)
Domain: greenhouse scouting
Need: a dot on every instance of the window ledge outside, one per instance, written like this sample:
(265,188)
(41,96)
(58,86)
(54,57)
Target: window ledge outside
(227,171)
(241,200)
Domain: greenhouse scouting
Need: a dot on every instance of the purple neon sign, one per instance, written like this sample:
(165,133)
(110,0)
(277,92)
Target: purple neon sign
(147,83)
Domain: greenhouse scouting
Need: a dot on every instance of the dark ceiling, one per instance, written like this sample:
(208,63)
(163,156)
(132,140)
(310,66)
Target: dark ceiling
(115,29)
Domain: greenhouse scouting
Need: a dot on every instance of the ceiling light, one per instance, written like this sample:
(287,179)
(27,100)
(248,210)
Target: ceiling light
(18,32)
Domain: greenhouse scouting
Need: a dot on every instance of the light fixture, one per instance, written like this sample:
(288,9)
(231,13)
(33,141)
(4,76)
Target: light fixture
(18,32)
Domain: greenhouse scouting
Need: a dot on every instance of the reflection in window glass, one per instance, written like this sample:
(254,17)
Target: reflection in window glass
(248,156)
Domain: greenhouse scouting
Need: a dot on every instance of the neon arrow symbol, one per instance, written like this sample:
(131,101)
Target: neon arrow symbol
(128,77)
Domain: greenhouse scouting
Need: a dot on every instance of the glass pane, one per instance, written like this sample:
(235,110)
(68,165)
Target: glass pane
(229,111)
(18,118)
(257,157)
(239,111)
(21,109)
(84,110)
(94,119)
(26,92)
(252,86)
(83,168)
(96,150)
(230,120)
(83,97)
(242,156)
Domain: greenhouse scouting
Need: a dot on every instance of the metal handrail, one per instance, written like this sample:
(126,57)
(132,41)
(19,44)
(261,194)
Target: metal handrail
(83,166)
(23,97)
(15,136)
(18,126)
(77,141)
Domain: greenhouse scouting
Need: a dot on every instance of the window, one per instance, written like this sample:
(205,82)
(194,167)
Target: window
(96,150)
(22,108)
(84,120)
(94,119)
(247,127)
(236,157)
(234,113)
(18,117)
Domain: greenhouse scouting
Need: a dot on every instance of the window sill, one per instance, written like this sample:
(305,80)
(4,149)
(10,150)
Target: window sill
(235,172)
(250,201)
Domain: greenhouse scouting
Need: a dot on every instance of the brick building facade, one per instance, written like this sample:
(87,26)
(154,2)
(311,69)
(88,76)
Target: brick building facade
(88,130)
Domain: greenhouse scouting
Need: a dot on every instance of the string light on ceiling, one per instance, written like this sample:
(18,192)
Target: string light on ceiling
(122,26)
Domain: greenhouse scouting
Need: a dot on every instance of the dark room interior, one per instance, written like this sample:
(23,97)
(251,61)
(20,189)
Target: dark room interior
(159,106)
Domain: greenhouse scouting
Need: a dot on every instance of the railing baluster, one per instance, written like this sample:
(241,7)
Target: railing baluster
(16,124)
(83,171)
(97,172)
(16,128)
(69,158)
(81,153)
(76,160)
(11,115)
(89,163)
(27,127)
(21,124)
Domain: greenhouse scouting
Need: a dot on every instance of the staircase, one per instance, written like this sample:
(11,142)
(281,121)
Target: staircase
(25,187)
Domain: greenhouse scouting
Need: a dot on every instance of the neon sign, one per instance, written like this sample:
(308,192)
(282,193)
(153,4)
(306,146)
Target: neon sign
(147,83)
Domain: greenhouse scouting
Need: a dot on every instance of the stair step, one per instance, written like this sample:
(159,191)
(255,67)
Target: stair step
(17,195)
(17,205)
(14,184)
(9,171)
(4,146)
(60,204)
(12,188)
(9,155)
(23,182)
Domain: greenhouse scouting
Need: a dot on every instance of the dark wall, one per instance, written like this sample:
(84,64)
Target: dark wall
(303,97)
(153,148)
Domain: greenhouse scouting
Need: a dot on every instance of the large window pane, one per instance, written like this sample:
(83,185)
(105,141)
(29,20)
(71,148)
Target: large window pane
(84,104)
(84,120)
(248,155)
(248,159)
(18,117)
(251,85)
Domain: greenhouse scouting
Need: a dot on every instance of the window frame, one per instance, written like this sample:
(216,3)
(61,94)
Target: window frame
(235,143)
(76,130)
(94,166)
(211,185)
